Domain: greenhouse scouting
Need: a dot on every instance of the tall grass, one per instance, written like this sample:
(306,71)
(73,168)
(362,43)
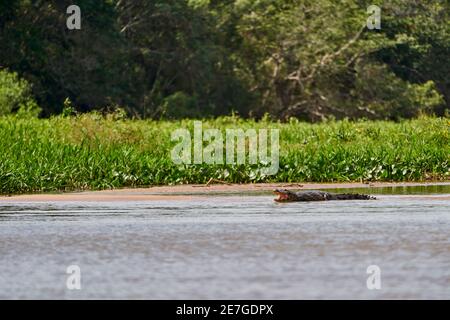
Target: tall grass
(95,152)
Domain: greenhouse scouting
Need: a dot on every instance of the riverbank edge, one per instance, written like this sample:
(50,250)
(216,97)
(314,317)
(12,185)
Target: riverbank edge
(189,191)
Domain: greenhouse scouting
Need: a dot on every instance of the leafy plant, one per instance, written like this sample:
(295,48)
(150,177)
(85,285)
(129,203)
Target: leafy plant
(91,151)
(15,96)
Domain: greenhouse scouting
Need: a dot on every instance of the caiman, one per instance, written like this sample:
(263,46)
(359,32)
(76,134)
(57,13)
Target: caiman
(285,195)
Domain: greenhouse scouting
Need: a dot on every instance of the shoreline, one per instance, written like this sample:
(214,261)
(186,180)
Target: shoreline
(191,191)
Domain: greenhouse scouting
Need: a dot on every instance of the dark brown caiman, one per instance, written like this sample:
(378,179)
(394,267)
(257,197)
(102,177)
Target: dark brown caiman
(285,195)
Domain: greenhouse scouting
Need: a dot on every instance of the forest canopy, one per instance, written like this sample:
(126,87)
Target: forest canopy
(310,59)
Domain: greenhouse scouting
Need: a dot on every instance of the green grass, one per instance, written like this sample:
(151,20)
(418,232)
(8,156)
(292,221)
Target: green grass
(94,152)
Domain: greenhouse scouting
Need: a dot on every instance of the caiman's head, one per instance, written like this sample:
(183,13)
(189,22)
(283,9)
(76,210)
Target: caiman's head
(284,195)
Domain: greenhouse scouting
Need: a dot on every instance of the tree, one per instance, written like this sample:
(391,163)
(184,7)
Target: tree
(310,59)
(15,95)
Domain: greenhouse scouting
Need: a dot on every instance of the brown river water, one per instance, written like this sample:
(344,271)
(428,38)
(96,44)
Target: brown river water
(229,247)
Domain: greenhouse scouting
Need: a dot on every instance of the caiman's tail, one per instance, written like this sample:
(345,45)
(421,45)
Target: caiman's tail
(353,196)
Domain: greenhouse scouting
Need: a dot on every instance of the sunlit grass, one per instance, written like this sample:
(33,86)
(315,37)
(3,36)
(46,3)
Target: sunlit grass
(94,152)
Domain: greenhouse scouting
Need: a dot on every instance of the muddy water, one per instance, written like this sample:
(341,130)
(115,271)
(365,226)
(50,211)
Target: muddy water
(229,247)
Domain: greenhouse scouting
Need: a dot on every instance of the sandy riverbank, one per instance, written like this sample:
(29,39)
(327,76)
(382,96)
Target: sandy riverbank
(184,192)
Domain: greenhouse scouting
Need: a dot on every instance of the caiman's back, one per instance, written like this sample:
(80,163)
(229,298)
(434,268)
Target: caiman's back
(323,196)
(315,195)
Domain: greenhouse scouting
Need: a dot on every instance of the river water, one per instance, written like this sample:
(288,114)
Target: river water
(229,247)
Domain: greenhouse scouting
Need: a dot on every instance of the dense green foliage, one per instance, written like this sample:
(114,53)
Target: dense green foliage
(311,59)
(15,95)
(95,152)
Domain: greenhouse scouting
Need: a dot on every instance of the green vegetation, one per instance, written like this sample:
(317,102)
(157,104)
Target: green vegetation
(109,95)
(92,151)
(171,59)
(15,95)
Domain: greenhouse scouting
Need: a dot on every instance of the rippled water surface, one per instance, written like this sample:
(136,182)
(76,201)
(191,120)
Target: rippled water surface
(228,247)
